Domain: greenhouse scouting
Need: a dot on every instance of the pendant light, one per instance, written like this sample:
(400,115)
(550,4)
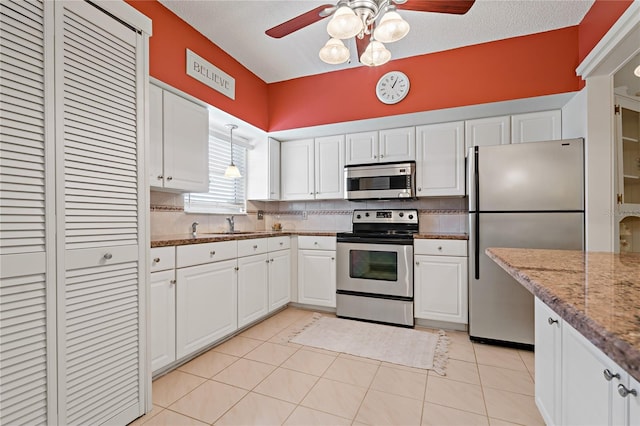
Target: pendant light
(232,171)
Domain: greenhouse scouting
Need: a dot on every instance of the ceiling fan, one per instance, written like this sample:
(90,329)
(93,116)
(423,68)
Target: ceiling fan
(359,19)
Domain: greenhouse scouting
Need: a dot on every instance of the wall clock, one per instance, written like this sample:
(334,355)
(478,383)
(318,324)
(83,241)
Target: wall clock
(392,87)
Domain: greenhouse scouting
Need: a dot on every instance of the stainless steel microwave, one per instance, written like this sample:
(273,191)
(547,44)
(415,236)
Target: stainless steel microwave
(380,181)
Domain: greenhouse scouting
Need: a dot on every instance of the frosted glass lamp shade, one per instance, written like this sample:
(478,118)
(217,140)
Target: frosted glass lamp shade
(375,54)
(344,24)
(391,28)
(232,172)
(334,52)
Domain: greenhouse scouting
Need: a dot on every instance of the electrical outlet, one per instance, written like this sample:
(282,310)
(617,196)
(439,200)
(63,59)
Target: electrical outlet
(304,215)
(260,214)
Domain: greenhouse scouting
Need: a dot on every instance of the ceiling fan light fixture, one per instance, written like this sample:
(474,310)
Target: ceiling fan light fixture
(344,24)
(637,71)
(391,28)
(334,52)
(375,54)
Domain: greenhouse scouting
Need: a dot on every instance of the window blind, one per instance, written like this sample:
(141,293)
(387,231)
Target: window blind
(225,196)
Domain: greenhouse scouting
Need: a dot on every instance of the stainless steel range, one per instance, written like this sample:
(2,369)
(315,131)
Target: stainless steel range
(375,267)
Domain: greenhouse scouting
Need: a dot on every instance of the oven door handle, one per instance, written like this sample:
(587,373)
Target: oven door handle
(373,240)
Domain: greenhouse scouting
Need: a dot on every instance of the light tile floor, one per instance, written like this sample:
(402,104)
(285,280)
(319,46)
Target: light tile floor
(258,378)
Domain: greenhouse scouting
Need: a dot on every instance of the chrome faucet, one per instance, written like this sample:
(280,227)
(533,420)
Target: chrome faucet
(194,229)
(231,224)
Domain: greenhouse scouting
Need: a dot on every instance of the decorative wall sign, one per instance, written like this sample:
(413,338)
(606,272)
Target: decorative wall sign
(210,75)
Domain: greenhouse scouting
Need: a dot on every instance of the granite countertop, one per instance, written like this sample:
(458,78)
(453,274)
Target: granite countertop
(597,293)
(183,239)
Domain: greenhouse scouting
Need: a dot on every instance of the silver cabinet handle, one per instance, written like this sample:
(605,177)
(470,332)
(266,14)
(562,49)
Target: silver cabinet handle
(212,252)
(281,243)
(624,392)
(172,282)
(419,189)
(417,263)
(375,156)
(315,243)
(311,193)
(255,246)
(169,178)
(236,269)
(156,260)
(440,248)
(552,321)
(608,375)
(107,256)
(381,155)
(333,258)
(271,260)
(267,261)
(160,177)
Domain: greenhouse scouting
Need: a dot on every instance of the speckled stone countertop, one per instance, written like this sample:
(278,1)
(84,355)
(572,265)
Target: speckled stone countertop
(183,239)
(597,293)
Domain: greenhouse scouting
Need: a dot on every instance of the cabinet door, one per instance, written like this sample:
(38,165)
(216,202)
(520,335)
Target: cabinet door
(440,160)
(162,305)
(487,131)
(627,120)
(206,305)
(253,288)
(441,288)
(587,396)
(398,144)
(317,277)
(547,362)
(263,171)
(274,170)
(27,220)
(362,148)
(156,150)
(329,167)
(634,402)
(279,279)
(536,127)
(186,144)
(297,175)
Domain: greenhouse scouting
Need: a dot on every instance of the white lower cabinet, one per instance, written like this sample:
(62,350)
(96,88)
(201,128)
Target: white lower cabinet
(279,279)
(576,383)
(206,305)
(253,288)
(440,277)
(317,271)
(163,318)
(548,341)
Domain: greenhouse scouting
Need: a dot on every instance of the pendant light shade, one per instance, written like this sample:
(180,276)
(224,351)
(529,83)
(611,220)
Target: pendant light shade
(375,54)
(334,52)
(344,24)
(232,172)
(391,28)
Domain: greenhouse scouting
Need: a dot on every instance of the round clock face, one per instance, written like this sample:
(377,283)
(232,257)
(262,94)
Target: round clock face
(392,87)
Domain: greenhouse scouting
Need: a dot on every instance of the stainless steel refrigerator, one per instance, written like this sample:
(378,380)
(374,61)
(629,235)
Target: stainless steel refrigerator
(527,195)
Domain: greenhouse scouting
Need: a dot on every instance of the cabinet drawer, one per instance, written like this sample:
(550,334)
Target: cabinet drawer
(278,243)
(440,247)
(162,258)
(307,242)
(196,254)
(249,247)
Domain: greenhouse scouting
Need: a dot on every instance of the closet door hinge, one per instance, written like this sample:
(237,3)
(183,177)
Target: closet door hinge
(619,198)
(616,109)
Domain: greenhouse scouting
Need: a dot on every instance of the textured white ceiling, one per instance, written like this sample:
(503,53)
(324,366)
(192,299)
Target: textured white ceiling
(238,28)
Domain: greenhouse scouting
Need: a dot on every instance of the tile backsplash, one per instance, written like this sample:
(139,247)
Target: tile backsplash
(448,215)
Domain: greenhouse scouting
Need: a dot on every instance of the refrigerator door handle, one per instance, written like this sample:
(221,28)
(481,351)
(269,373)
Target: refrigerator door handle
(476,199)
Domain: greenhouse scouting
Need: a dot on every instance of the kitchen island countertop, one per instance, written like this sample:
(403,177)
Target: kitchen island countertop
(597,293)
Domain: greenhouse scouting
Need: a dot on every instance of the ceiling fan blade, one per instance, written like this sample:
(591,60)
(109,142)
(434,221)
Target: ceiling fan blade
(457,7)
(298,22)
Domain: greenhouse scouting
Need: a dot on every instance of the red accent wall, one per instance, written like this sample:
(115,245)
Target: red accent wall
(520,67)
(167,62)
(595,24)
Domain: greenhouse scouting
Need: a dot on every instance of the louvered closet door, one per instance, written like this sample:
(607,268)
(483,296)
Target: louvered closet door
(98,70)
(27,298)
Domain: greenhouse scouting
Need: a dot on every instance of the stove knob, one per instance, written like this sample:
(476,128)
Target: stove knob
(358,217)
(410,216)
(401,214)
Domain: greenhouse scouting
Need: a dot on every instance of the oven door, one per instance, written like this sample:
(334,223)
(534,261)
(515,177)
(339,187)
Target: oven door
(375,268)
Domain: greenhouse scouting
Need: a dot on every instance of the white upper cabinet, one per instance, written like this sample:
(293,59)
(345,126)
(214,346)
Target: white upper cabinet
(329,167)
(312,169)
(487,131)
(182,138)
(440,160)
(263,171)
(381,147)
(536,126)
(397,144)
(296,173)
(362,148)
